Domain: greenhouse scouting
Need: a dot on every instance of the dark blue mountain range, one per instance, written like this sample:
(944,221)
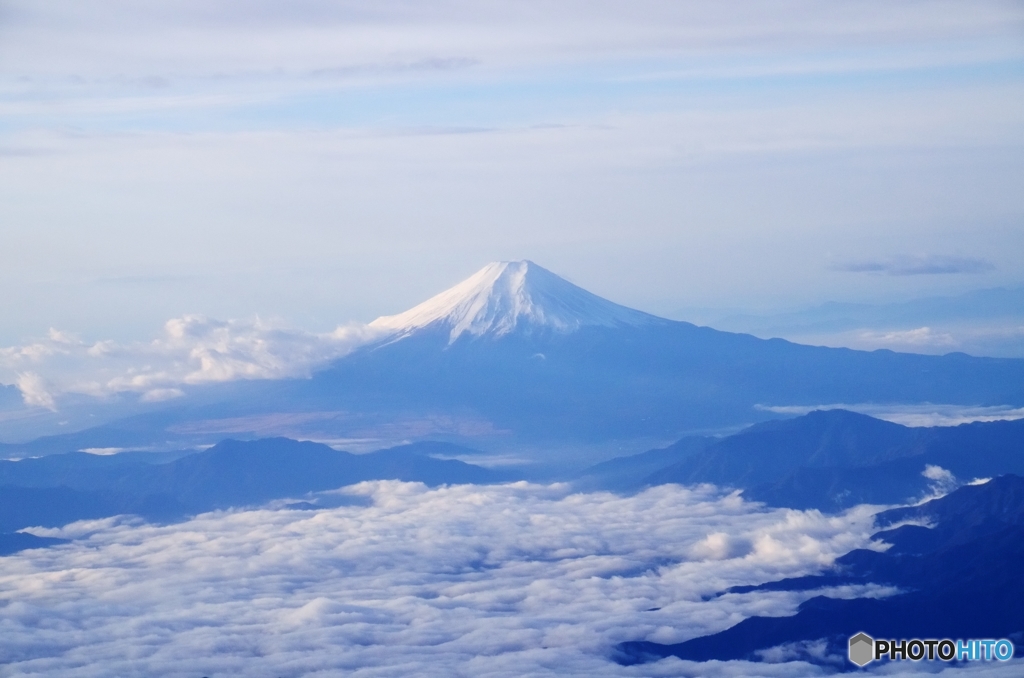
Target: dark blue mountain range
(959,578)
(58,489)
(830,460)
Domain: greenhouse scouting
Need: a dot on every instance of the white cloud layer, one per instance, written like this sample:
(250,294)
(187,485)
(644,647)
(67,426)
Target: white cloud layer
(513,580)
(192,350)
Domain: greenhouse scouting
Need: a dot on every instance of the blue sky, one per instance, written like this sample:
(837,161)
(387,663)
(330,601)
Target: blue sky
(322,162)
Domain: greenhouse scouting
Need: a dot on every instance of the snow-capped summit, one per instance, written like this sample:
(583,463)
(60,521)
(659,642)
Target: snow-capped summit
(512,295)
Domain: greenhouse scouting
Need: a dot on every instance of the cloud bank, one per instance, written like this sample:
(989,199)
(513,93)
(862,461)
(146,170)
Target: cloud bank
(513,580)
(501,581)
(193,349)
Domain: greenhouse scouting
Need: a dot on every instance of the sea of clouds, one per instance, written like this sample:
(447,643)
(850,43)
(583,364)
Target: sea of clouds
(511,580)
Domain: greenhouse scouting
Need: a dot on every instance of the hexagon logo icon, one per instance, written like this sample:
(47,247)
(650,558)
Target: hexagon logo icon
(862,649)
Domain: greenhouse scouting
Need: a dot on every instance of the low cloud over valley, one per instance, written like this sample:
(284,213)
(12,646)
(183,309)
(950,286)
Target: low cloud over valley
(504,580)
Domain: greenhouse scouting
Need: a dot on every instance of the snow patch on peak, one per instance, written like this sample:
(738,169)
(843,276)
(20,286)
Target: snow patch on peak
(512,295)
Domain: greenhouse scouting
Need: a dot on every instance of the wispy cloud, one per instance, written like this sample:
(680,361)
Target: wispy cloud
(35,391)
(919,337)
(919,265)
(193,349)
(942,481)
(250,53)
(144,280)
(501,581)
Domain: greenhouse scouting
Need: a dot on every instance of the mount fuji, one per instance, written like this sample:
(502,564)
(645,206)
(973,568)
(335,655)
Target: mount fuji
(517,357)
(512,296)
(517,353)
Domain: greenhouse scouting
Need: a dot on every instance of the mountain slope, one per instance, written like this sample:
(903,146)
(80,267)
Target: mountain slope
(657,380)
(625,474)
(828,459)
(960,579)
(770,451)
(521,350)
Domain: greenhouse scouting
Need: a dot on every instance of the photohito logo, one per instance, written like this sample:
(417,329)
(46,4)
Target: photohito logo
(865,649)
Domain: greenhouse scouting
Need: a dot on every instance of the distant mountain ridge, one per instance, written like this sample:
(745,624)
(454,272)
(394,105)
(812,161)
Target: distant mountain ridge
(980,322)
(766,452)
(58,489)
(827,459)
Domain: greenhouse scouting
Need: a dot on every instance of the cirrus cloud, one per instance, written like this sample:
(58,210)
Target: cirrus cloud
(919,265)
